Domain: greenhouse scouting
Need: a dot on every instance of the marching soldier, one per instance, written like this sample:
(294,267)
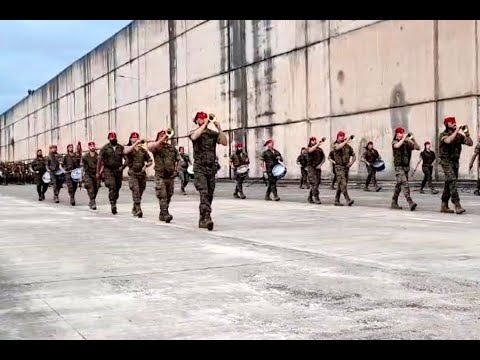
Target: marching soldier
(167,160)
(269,159)
(302,161)
(238,159)
(428,157)
(183,170)
(71,161)
(137,161)
(316,158)
(403,144)
(475,154)
(344,157)
(369,156)
(54,161)
(39,166)
(111,159)
(204,166)
(450,149)
(90,160)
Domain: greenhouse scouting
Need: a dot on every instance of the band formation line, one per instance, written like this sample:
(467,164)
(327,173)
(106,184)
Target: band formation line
(108,165)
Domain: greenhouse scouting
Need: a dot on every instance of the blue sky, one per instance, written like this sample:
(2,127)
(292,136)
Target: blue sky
(34,51)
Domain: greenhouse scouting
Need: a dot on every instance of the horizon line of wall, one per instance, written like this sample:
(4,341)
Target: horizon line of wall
(281,79)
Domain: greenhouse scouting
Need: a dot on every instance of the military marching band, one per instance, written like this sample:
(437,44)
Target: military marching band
(108,163)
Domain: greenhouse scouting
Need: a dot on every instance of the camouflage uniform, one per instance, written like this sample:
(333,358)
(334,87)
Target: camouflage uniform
(477,153)
(166,158)
(239,159)
(401,162)
(271,158)
(449,155)
(183,174)
(371,155)
(342,159)
(39,165)
(90,173)
(315,158)
(334,172)
(71,162)
(53,164)
(112,158)
(302,160)
(137,177)
(204,169)
(428,158)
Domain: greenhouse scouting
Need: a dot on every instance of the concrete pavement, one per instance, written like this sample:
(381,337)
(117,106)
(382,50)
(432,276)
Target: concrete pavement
(269,270)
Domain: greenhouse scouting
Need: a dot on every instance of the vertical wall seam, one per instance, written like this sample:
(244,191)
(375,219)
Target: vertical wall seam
(436,90)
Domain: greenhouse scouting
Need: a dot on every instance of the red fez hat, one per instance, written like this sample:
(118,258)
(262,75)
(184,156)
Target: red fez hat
(340,133)
(269,141)
(399,130)
(112,134)
(449,119)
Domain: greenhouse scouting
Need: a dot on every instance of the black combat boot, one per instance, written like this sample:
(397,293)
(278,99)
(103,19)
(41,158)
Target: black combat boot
(337,199)
(55,198)
(378,188)
(208,222)
(161,216)
(235,195)
(267,196)
(395,205)
(72,200)
(138,212)
(350,202)
(201,222)
(113,207)
(445,209)
(93,205)
(242,195)
(316,200)
(310,199)
(421,191)
(459,209)
(168,216)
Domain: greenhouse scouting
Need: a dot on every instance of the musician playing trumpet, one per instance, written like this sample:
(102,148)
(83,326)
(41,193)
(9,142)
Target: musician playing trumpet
(204,151)
(315,160)
(239,158)
(138,160)
(343,158)
(450,148)
(167,160)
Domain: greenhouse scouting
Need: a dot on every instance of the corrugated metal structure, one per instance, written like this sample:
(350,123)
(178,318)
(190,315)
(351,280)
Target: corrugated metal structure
(280,79)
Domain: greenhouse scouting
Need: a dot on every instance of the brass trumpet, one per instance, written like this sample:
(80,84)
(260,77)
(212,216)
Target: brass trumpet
(466,130)
(410,136)
(169,132)
(211,118)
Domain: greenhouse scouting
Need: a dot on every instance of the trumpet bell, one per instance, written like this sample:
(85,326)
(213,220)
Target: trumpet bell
(352,137)
(169,132)
(323,139)
(211,118)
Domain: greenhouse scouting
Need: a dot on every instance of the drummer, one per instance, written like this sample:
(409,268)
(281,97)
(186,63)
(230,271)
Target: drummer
(269,159)
(239,161)
(39,166)
(54,160)
(369,157)
(71,161)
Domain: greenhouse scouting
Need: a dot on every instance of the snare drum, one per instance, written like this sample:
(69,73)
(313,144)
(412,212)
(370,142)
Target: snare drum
(46,178)
(76,174)
(242,170)
(190,169)
(279,171)
(379,165)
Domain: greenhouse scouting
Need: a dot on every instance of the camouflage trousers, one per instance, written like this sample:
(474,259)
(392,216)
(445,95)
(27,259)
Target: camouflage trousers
(314,178)
(239,179)
(184,178)
(342,178)
(304,177)
(450,191)
(205,185)
(427,178)
(271,185)
(137,182)
(401,173)
(57,183)
(334,172)
(164,190)
(91,184)
(71,185)
(372,176)
(41,186)
(113,181)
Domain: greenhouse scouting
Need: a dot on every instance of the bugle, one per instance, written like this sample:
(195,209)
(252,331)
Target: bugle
(410,136)
(169,132)
(465,130)
(211,118)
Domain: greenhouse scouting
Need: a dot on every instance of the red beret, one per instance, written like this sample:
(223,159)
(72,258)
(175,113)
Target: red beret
(269,141)
(134,134)
(112,134)
(239,145)
(449,119)
(91,143)
(370,143)
(340,133)
(313,138)
(200,115)
(427,143)
(399,130)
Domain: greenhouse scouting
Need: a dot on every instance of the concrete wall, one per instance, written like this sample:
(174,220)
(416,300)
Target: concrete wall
(280,79)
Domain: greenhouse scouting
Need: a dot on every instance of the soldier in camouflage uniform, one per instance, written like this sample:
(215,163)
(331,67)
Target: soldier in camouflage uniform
(269,159)
(369,156)
(427,156)
(54,161)
(449,153)
(302,161)
(2,173)
(39,166)
(344,157)
(167,160)
(111,157)
(137,161)
(472,160)
(315,158)
(89,161)
(239,158)
(204,153)
(183,170)
(71,161)
(402,146)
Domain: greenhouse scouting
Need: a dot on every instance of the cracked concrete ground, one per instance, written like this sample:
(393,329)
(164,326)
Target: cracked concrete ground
(269,270)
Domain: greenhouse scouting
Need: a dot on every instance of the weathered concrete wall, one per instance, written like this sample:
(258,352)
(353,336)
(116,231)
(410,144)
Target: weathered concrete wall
(280,79)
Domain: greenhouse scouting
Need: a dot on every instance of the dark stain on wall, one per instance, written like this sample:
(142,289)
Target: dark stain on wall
(398,115)
(173,77)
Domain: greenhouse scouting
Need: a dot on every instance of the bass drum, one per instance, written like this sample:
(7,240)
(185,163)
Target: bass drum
(279,171)
(76,174)
(46,178)
(190,169)
(379,165)
(243,170)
